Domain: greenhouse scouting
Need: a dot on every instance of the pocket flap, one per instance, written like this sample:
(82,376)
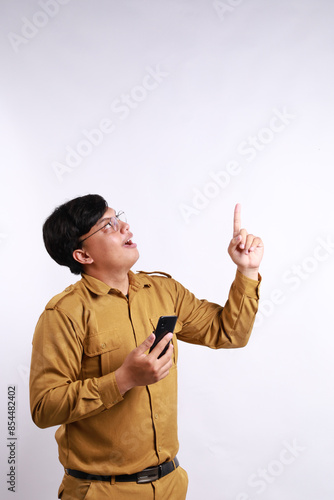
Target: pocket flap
(102,342)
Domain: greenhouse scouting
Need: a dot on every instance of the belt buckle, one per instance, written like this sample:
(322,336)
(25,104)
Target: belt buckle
(148,475)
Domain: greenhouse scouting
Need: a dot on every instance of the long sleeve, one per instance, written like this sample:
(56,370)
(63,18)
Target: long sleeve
(215,326)
(58,393)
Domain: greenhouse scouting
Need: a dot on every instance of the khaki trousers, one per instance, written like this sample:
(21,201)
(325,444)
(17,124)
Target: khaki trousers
(173,486)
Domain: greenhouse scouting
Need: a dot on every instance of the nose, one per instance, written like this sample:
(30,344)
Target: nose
(123,226)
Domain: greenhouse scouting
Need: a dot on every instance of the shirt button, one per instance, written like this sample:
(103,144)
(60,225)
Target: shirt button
(103,345)
(156,416)
(160,448)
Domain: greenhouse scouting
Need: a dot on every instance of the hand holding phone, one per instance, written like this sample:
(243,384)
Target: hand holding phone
(165,325)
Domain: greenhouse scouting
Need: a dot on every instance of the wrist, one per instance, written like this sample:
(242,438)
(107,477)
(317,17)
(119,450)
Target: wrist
(252,273)
(122,380)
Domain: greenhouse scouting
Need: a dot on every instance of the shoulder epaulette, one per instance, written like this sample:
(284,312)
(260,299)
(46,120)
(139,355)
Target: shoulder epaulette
(57,298)
(159,273)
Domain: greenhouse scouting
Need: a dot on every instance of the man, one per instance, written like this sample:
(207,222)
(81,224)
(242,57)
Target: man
(91,370)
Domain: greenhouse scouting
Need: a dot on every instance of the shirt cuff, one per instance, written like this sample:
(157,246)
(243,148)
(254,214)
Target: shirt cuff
(108,389)
(247,286)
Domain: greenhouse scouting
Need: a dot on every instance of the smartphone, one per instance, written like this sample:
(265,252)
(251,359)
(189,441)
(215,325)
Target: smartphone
(165,325)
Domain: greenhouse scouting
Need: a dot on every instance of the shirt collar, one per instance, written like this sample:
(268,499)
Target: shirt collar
(136,282)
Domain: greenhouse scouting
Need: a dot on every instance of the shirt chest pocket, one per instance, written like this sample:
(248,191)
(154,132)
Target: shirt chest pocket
(102,354)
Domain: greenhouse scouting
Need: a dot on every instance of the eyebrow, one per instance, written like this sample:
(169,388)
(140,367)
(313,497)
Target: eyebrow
(105,218)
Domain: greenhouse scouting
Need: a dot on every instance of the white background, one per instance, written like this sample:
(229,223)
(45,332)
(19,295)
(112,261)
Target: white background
(226,70)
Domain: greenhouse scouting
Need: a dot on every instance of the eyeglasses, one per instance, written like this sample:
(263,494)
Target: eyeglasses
(113,222)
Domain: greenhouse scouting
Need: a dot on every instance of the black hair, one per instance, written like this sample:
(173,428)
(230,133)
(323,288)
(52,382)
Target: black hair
(63,228)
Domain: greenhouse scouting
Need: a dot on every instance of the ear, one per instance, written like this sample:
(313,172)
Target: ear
(82,257)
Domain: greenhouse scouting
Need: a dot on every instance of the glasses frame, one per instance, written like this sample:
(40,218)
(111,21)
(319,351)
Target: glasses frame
(115,218)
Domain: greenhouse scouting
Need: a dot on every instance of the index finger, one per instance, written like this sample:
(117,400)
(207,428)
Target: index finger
(237,220)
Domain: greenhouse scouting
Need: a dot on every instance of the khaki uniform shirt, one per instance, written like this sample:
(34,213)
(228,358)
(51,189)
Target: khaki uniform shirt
(84,335)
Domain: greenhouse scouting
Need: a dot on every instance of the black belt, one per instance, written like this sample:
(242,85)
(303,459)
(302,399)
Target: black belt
(145,476)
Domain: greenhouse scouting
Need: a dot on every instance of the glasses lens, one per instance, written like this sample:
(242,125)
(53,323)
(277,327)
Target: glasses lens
(121,217)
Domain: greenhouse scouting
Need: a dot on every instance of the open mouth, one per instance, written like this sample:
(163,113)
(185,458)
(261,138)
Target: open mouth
(129,243)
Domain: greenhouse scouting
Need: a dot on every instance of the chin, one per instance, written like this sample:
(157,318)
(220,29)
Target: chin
(135,258)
